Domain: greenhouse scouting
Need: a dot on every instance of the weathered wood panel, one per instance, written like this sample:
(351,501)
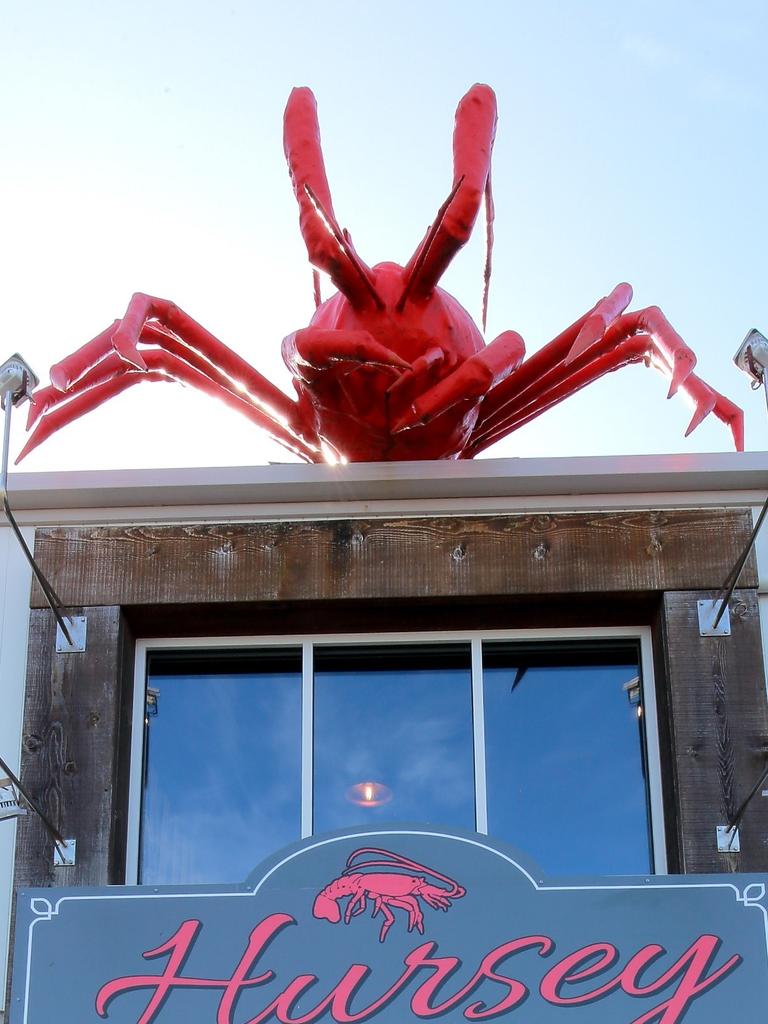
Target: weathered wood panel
(74,718)
(380,559)
(716,690)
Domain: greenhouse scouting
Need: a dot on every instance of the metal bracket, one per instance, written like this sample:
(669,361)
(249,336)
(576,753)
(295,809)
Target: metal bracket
(65,854)
(728,840)
(708,612)
(78,627)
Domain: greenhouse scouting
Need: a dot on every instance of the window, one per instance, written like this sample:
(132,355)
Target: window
(222,763)
(565,755)
(396,718)
(547,742)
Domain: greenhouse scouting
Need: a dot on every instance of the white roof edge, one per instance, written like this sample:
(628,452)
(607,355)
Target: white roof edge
(391,481)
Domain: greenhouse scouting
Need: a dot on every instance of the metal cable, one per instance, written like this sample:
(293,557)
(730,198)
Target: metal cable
(736,820)
(50,827)
(732,579)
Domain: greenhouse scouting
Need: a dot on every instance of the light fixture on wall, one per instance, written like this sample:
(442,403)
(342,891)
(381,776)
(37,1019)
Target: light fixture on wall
(752,357)
(632,690)
(12,792)
(369,794)
(10,800)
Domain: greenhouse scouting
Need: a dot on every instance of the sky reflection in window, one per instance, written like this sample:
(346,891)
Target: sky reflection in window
(399,718)
(565,762)
(393,742)
(223,779)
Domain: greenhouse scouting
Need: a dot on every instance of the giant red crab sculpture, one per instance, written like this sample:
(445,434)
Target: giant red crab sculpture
(391,366)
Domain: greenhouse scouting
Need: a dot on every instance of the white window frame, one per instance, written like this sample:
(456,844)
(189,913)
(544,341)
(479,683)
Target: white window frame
(475,638)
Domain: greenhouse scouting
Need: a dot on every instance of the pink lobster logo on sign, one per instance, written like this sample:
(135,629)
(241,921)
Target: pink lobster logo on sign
(387,889)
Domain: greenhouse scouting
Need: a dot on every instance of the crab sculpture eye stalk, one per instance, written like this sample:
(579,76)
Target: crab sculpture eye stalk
(391,366)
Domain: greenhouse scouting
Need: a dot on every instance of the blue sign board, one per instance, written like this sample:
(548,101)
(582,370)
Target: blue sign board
(391,925)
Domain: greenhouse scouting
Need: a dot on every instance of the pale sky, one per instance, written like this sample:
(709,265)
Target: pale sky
(141,151)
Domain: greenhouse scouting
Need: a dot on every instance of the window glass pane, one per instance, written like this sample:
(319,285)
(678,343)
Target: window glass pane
(393,736)
(565,756)
(222,765)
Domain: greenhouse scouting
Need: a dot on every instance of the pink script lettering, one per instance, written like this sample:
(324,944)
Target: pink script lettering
(689,976)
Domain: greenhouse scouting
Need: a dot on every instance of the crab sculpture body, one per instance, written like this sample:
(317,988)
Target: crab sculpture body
(391,366)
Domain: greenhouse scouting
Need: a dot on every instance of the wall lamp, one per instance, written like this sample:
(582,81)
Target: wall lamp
(752,357)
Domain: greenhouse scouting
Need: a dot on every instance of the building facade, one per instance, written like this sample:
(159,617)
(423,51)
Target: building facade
(512,647)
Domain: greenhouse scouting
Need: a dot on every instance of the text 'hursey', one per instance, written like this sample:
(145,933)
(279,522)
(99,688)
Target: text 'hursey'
(431,985)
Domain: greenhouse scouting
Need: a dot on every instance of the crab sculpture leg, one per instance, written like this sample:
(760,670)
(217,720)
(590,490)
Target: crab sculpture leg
(157,341)
(603,340)
(548,377)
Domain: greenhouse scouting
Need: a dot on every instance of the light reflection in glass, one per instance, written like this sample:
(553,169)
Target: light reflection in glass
(401,713)
(369,794)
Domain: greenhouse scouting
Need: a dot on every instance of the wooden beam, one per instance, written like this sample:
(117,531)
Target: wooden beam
(719,727)
(401,615)
(380,559)
(74,719)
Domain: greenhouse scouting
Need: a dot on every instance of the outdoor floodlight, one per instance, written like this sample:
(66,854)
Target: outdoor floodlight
(17,379)
(10,802)
(752,357)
